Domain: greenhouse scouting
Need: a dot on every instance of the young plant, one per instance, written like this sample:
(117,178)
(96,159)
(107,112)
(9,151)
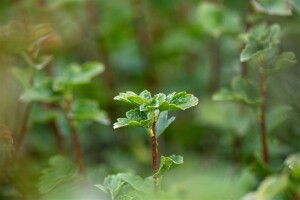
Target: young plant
(261,47)
(151,113)
(59,91)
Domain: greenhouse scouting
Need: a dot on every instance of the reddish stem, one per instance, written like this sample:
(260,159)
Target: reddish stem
(263,92)
(74,136)
(154,155)
(23,130)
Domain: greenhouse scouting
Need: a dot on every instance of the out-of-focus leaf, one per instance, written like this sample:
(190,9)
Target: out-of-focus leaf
(277,116)
(60,171)
(43,61)
(296,5)
(281,62)
(259,40)
(270,188)
(169,163)
(293,163)
(40,115)
(216,20)
(260,168)
(136,118)
(138,183)
(163,122)
(23,75)
(86,109)
(241,91)
(74,74)
(273,7)
(41,91)
(112,185)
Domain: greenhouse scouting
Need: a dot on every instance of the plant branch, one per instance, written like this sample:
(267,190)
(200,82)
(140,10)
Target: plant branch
(154,155)
(263,92)
(74,135)
(23,129)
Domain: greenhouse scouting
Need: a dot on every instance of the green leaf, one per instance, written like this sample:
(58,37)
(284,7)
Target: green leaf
(272,186)
(293,163)
(216,20)
(296,5)
(74,74)
(86,109)
(259,40)
(112,185)
(241,91)
(163,122)
(23,75)
(133,98)
(281,62)
(137,182)
(273,7)
(41,91)
(169,163)
(179,101)
(60,171)
(135,118)
(277,116)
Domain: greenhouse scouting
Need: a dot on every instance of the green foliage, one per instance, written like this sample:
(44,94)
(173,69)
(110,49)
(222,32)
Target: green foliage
(153,109)
(271,7)
(132,186)
(241,91)
(215,20)
(74,74)
(87,109)
(260,39)
(59,172)
(168,163)
(111,185)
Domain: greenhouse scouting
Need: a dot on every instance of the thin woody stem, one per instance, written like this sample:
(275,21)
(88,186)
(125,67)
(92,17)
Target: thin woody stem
(74,135)
(263,92)
(154,155)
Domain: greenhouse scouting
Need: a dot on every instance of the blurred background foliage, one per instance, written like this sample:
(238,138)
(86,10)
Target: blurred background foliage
(161,46)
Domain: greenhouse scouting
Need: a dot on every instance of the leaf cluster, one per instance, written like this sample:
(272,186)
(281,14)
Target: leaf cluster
(129,186)
(153,109)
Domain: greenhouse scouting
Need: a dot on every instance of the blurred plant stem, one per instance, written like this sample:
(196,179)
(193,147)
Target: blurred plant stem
(24,124)
(263,92)
(74,135)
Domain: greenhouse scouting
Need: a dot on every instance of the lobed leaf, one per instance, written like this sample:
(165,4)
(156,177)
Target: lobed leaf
(241,91)
(137,182)
(112,185)
(133,98)
(41,91)
(273,7)
(179,101)
(293,163)
(281,62)
(60,171)
(163,122)
(135,118)
(168,163)
(74,74)
(86,109)
(260,39)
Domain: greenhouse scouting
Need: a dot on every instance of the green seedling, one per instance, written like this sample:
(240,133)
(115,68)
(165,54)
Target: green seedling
(151,113)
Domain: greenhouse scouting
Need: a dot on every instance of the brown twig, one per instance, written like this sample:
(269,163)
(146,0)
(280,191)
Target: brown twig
(23,129)
(263,93)
(154,155)
(74,135)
